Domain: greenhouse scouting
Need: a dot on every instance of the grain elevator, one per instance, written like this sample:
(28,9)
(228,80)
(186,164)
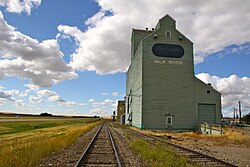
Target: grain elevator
(162,91)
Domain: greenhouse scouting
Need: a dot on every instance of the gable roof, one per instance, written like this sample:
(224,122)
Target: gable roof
(167,16)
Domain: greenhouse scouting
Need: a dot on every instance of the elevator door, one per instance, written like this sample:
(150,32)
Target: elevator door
(207,113)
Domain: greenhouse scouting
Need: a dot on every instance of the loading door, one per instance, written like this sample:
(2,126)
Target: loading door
(207,113)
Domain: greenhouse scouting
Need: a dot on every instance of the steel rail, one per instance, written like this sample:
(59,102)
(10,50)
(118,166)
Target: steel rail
(78,164)
(85,153)
(114,148)
(184,148)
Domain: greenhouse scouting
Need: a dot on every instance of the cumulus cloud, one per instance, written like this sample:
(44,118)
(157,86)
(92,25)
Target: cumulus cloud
(35,99)
(13,96)
(23,94)
(12,92)
(68,104)
(26,58)
(105,46)
(6,95)
(45,92)
(20,103)
(105,107)
(100,111)
(106,103)
(233,89)
(51,95)
(28,99)
(55,97)
(18,6)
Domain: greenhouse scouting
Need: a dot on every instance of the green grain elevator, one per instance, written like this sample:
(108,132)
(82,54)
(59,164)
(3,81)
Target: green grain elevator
(162,91)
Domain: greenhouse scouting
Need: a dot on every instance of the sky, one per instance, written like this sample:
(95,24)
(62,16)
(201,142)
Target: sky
(71,57)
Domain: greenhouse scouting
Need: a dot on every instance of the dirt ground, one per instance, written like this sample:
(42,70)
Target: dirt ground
(233,146)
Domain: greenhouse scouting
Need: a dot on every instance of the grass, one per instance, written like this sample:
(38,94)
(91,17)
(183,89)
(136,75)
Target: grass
(158,155)
(22,126)
(27,148)
(230,136)
(237,137)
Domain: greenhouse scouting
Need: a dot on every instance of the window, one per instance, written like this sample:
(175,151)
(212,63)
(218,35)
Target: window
(168,120)
(168,33)
(208,91)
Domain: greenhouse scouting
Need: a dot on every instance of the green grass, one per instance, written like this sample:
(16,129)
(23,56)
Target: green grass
(158,155)
(15,127)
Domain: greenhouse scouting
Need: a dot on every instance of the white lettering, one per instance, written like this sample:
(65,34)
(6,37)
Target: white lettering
(160,61)
(169,62)
(175,62)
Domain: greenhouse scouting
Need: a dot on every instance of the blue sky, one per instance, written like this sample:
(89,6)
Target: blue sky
(70,57)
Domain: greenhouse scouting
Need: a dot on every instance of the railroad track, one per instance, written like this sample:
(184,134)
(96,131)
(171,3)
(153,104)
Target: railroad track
(193,156)
(101,151)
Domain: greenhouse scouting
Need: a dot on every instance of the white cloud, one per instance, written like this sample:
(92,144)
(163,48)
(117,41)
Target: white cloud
(101,112)
(35,99)
(115,94)
(68,104)
(55,98)
(91,100)
(233,89)
(108,101)
(103,108)
(114,104)
(97,17)
(26,58)
(23,94)
(20,103)
(105,46)
(45,92)
(26,92)
(6,95)
(51,95)
(105,94)
(73,31)
(104,104)
(18,6)
(82,104)
(71,104)
(11,95)
(12,92)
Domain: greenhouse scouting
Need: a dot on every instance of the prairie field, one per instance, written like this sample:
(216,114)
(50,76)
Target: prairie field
(231,136)
(11,125)
(26,142)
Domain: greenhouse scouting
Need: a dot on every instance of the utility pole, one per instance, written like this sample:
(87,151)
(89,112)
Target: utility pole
(237,116)
(240,111)
(234,115)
